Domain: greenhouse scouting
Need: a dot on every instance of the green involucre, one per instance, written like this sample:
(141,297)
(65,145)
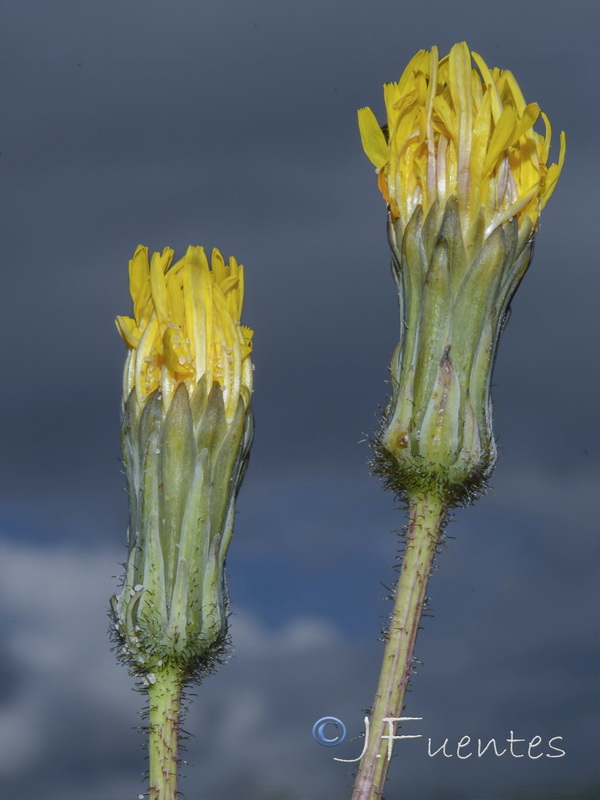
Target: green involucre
(436,435)
(184,468)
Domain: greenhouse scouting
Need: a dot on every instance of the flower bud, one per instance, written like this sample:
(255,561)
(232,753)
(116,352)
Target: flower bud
(186,437)
(465,177)
(438,429)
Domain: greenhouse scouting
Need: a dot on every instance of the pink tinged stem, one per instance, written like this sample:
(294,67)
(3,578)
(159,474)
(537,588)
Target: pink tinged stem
(164,701)
(426,517)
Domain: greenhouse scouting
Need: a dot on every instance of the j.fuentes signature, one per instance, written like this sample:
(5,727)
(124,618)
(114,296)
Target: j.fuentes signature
(331,731)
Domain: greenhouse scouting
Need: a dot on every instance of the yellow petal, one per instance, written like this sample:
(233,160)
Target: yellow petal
(175,304)
(177,354)
(528,118)
(197,293)
(158,267)
(129,331)
(554,171)
(418,63)
(218,265)
(187,326)
(459,130)
(138,270)
(373,140)
(147,372)
(547,140)
(510,90)
(139,283)
(391,96)
(495,100)
(501,137)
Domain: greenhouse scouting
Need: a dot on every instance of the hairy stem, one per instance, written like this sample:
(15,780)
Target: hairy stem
(426,517)
(164,700)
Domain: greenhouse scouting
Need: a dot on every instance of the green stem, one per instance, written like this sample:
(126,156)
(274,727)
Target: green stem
(426,517)
(164,701)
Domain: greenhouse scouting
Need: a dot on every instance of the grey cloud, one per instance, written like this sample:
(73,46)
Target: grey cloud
(233,124)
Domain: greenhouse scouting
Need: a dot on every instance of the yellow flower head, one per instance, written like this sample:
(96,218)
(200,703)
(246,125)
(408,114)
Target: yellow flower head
(456,130)
(186,325)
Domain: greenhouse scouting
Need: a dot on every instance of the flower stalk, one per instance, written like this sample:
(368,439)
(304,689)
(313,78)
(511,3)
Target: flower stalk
(465,177)
(164,704)
(422,536)
(186,436)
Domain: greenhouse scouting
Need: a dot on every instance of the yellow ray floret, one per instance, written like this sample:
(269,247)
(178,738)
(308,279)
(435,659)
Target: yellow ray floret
(459,129)
(186,324)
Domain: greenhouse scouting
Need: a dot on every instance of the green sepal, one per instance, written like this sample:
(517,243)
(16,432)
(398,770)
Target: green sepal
(451,233)
(150,422)
(212,425)
(149,556)
(440,429)
(434,328)
(454,291)
(194,544)
(223,467)
(199,399)
(429,230)
(177,456)
(184,468)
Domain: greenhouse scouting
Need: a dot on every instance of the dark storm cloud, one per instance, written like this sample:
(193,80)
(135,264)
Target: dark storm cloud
(233,124)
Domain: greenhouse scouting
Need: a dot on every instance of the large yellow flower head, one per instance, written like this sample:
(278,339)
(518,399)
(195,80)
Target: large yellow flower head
(186,325)
(455,130)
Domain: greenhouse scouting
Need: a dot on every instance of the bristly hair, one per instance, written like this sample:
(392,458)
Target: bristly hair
(193,667)
(409,480)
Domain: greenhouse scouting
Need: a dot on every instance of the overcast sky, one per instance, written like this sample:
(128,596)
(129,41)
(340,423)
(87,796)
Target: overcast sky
(233,124)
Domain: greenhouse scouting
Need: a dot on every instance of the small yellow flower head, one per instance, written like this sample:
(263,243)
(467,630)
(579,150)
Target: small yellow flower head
(455,130)
(186,433)
(186,325)
(465,177)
